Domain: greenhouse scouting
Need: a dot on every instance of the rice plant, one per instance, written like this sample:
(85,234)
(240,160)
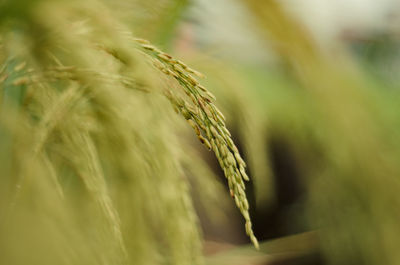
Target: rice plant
(91,163)
(101,127)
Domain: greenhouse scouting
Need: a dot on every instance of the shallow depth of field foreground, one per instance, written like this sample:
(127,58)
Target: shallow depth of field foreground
(196,132)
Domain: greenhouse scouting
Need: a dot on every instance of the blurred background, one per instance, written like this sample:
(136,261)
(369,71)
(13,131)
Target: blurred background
(310,90)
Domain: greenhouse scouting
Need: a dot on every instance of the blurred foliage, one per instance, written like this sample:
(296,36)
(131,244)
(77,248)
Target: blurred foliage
(351,164)
(97,169)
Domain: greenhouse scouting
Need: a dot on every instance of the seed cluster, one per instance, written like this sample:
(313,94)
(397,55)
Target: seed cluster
(208,123)
(56,73)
